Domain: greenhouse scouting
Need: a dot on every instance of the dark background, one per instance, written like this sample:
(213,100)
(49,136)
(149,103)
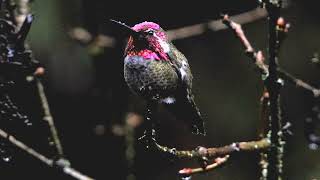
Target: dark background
(85,91)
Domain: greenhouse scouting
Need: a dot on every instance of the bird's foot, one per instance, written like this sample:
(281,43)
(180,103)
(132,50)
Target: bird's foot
(148,139)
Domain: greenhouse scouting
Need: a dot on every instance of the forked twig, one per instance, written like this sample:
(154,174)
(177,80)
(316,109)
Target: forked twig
(259,59)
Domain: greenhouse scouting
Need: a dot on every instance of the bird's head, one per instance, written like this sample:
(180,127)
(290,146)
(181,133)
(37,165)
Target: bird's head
(146,37)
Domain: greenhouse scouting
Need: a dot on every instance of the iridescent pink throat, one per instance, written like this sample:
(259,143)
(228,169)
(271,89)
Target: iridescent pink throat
(156,53)
(146,54)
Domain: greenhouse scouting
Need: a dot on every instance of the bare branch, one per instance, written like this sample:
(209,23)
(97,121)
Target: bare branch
(48,118)
(24,147)
(202,154)
(84,37)
(214,152)
(215,25)
(259,58)
(66,169)
(298,82)
(218,162)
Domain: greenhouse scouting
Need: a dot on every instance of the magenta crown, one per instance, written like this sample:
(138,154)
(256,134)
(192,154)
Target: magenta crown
(146,25)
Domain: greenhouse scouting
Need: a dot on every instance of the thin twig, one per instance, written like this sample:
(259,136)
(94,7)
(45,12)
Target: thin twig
(218,162)
(214,25)
(66,169)
(48,118)
(24,147)
(256,56)
(102,41)
(259,59)
(298,82)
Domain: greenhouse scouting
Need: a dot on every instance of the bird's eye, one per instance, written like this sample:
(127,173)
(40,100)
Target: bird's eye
(150,31)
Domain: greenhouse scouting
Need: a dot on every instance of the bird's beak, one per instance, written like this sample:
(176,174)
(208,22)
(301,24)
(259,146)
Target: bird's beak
(126,28)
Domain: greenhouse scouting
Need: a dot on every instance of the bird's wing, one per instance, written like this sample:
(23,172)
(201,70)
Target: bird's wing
(180,63)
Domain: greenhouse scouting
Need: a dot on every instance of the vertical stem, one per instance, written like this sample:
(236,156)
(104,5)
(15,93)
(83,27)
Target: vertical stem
(264,166)
(265,111)
(48,118)
(275,133)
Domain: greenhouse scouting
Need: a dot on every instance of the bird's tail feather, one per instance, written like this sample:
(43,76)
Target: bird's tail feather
(187,111)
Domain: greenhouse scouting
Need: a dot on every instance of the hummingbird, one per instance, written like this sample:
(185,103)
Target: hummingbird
(157,71)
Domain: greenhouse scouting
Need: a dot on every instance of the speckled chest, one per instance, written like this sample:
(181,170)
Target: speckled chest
(150,78)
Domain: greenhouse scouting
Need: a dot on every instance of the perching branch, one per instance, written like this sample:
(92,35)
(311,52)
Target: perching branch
(52,163)
(215,152)
(203,154)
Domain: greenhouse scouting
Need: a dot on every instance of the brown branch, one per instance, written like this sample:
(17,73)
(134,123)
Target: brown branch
(218,162)
(202,154)
(66,169)
(257,57)
(215,25)
(214,152)
(95,44)
(298,82)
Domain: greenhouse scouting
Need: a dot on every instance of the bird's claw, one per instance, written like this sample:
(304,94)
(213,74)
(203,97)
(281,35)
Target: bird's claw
(148,140)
